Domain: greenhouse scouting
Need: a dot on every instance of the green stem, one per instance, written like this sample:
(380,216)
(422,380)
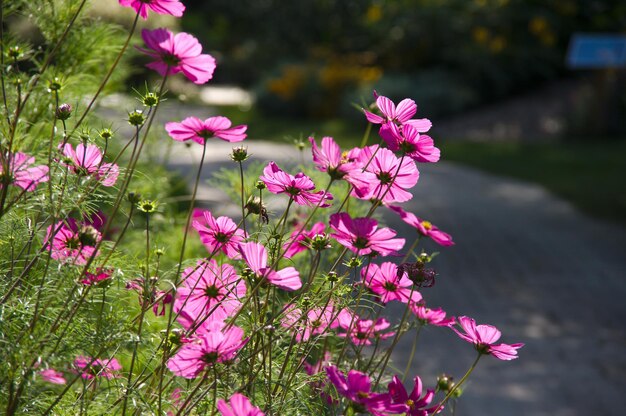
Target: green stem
(457,385)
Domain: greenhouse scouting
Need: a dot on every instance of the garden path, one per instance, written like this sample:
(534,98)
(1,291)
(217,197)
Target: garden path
(526,262)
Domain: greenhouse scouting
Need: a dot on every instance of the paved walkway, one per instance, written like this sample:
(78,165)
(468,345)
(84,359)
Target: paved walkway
(526,262)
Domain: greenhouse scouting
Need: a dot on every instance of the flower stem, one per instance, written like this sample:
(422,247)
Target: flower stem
(457,385)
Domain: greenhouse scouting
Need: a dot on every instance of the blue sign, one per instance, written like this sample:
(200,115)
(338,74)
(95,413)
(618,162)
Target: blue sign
(593,51)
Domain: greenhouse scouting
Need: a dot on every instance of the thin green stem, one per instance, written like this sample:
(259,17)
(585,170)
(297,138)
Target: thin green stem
(457,385)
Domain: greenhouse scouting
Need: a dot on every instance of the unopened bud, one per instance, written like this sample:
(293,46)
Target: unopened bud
(255,206)
(55,84)
(88,235)
(105,134)
(150,99)
(133,198)
(354,262)
(63,112)
(320,242)
(445,382)
(136,118)
(332,277)
(14,52)
(239,154)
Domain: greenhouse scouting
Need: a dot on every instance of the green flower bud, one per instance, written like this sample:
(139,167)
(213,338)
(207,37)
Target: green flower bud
(105,134)
(150,99)
(136,118)
(239,154)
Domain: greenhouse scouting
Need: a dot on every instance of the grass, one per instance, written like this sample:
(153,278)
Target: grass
(588,174)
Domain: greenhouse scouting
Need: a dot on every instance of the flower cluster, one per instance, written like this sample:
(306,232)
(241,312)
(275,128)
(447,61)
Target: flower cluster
(274,312)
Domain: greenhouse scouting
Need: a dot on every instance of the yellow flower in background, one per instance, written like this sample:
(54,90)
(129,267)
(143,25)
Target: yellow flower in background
(289,83)
(480,34)
(374,13)
(497,44)
(538,25)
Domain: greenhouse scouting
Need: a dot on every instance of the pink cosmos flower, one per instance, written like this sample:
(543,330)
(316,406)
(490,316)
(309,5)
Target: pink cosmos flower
(414,404)
(21,174)
(316,322)
(100,275)
(425,228)
(219,233)
(300,239)
(52,376)
(73,242)
(87,161)
(255,256)
(436,317)
(362,331)
(213,345)
(484,337)
(357,387)
(299,187)
(159,299)
(384,281)
(406,138)
(405,110)
(90,368)
(171,7)
(208,290)
(239,405)
(362,236)
(391,176)
(177,53)
(192,128)
(402,114)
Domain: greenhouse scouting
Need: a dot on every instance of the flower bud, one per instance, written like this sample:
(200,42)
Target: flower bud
(320,242)
(255,206)
(64,111)
(105,134)
(260,185)
(14,52)
(445,383)
(84,135)
(354,262)
(136,118)
(55,84)
(150,99)
(305,302)
(332,277)
(239,154)
(133,198)
(300,144)
(88,235)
